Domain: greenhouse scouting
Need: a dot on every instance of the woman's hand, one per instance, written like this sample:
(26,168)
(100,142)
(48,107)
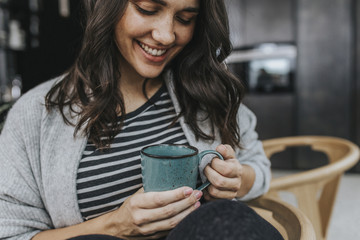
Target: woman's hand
(229,178)
(142,216)
(151,215)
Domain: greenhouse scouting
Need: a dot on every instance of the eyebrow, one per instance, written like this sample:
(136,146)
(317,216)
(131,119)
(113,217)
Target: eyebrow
(191,9)
(161,2)
(188,9)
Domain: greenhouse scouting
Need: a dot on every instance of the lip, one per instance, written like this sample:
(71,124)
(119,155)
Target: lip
(151,58)
(153,47)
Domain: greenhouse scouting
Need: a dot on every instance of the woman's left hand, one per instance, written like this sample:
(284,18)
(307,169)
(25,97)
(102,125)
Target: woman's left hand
(226,177)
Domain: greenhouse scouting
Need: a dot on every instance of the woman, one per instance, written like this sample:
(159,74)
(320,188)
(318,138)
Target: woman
(149,71)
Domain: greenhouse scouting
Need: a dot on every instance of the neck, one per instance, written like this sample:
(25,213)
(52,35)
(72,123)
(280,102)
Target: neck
(134,85)
(131,87)
(130,81)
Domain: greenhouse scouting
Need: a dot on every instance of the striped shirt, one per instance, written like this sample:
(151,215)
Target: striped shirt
(105,179)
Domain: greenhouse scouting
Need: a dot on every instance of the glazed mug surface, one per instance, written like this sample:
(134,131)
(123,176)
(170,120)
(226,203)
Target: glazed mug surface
(170,166)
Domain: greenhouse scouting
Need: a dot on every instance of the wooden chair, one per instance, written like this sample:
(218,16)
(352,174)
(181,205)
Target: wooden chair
(315,190)
(287,219)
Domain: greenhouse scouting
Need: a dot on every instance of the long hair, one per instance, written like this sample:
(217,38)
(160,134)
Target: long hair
(202,82)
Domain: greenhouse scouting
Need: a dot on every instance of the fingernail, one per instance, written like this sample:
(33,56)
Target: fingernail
(188,192)
(198,195)
(197,204)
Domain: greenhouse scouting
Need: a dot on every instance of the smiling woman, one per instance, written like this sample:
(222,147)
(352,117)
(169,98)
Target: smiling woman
(149,72)
(151,33)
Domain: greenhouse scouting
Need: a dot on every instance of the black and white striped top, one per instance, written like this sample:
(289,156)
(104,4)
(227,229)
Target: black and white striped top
(106,179)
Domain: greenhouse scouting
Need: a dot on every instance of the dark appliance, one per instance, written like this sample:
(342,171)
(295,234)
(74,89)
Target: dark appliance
(268,72)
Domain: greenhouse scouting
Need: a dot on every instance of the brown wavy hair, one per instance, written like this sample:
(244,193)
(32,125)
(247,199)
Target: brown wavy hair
(202,81)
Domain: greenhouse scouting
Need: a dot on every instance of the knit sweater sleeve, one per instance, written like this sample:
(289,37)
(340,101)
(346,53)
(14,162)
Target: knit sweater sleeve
(252,154)
(22,211)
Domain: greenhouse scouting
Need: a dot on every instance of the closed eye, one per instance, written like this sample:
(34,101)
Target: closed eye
(184,21)
(146,12)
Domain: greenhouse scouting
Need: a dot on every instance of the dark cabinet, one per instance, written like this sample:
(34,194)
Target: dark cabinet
(41,39)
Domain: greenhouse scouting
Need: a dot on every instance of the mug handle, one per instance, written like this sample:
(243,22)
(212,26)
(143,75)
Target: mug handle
(201,155)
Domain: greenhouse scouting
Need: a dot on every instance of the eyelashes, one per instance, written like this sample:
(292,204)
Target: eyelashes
(183,21)
(146,12)
(151,13)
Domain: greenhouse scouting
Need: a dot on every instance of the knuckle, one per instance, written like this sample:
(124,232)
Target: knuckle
(228,146)
(227,171)
(144,231)
(158,200)
(212,191)
(138,220)
(168,211)
(131,205)
(173,222)
(219,182)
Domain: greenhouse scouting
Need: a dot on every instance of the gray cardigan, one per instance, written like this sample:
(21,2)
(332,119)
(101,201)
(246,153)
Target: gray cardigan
(39,157)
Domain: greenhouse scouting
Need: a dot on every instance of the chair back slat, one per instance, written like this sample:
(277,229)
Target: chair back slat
(315,189)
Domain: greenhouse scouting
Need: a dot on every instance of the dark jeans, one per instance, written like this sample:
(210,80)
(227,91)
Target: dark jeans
(218,220)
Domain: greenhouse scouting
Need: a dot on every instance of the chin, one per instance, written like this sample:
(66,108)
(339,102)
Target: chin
(151,73)
(151,76)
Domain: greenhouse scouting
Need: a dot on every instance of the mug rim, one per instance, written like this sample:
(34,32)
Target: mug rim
(196,151)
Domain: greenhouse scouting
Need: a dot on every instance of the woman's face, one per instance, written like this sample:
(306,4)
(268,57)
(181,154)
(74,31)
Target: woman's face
(152,32)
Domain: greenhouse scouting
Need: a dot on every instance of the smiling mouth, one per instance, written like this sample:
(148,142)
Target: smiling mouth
(152,51)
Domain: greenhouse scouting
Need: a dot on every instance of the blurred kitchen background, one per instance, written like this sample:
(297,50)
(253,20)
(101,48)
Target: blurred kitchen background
(299,60)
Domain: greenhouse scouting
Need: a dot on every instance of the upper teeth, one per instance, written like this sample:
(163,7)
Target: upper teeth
(154,52)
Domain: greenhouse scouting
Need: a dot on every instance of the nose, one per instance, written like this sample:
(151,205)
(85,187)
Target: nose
(164,32)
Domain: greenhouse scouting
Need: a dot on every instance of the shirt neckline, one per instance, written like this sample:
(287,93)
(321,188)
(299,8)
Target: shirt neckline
(148,103)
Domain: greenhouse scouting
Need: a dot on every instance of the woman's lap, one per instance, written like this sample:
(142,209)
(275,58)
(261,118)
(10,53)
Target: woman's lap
(218,220)
(224,219)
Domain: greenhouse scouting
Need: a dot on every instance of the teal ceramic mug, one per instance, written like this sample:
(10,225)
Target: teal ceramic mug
(170,166)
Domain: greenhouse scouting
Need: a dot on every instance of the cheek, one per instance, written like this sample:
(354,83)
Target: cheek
(185,36)
(120,41)
(125,32)
(131,25)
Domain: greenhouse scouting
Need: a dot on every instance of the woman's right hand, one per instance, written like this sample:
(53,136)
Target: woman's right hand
(151,215)
(142,216)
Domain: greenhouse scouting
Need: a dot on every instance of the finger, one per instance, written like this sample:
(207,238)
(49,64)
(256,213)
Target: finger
(226,151)
(230,168)
(151,200)
(168,211)
(208,197)
(156,235)
(222,182)
(168,224)
(223,194)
